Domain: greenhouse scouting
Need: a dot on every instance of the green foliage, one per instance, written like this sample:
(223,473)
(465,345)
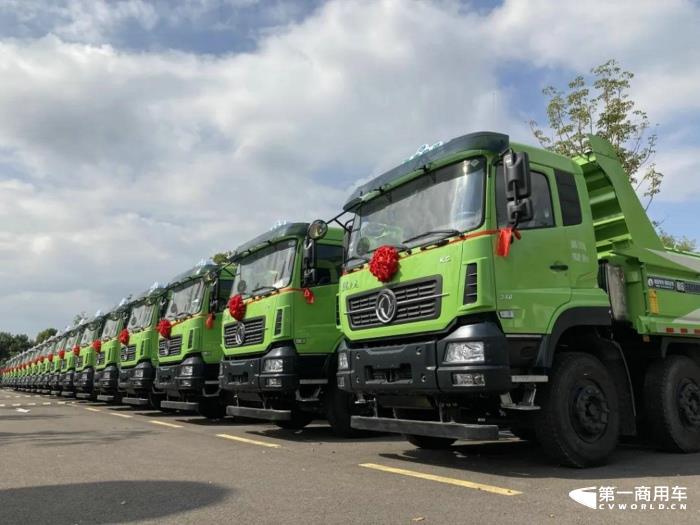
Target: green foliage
(11,344)
(683,244)
(221,257)
(601,105)
(45,334)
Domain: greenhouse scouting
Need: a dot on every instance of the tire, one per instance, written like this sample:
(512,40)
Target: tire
(672,403)
(425,442)
(339,411)
(579,420)
(212,408)
(298,421)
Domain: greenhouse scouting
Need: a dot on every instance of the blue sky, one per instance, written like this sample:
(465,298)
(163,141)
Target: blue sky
(138,136)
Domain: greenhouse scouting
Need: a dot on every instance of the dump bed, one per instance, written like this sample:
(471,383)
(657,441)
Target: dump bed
(652,287)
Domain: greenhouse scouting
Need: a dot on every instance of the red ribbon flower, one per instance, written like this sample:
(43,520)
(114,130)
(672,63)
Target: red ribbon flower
(124,337)
(61,354)
(164,327)
(50,358)
(384,263)
(209,323)
(76,350)
(309,296)
(97,345)
(236,307)
(505,239)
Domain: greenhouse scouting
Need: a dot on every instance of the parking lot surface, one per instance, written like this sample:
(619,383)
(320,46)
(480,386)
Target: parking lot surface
(71,462)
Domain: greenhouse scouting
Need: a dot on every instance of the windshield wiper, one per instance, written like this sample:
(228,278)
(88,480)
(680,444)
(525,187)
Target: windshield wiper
(261,288)
(431,233)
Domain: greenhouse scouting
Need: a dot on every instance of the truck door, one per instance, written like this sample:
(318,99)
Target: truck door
(532,282)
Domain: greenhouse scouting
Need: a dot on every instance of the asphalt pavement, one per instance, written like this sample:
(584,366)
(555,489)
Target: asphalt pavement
(74,462)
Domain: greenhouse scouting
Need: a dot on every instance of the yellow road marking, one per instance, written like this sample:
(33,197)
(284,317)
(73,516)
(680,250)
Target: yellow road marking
(120,415)
(249,441)
(165,424)
(93,409)
(442,479)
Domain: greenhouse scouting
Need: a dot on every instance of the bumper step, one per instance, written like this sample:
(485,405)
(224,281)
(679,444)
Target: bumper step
(55,392)
(106,398)
(267,414)
(135,401)
(185,406)
(426,428)
(83,395)
(67,394)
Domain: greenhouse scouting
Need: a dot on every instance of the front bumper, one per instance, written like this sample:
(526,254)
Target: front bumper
(248,375)
(138,379)
(109,380)
(85,380)
(419,367)
(427,428)
(67,381)
(170,379)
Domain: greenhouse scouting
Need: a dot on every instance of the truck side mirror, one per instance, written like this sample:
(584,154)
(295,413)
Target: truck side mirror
(317,230)
(308,262)
(518,184)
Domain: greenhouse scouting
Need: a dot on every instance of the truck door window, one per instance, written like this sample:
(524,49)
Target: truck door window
(329,259)
(568,198)
(543,216)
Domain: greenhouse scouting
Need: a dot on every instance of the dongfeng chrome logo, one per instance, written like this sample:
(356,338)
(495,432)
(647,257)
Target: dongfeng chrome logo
(385,307)
(239,334)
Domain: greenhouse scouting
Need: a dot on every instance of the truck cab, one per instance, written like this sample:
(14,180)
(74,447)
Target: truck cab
(139,349)
(489,285)
(279,333)
(189,344)
(71,351)
(108,349)
(86,357)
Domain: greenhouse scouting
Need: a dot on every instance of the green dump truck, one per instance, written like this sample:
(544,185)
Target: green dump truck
(280,334)
(490,285)
(70,351)
(86,357)
(108,350)
(139,349)
(189,343)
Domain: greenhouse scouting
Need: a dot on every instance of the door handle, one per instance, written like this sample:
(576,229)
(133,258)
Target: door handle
(558,267)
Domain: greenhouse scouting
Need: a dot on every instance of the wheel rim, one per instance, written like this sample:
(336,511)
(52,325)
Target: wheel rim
(589,411)
(689,403)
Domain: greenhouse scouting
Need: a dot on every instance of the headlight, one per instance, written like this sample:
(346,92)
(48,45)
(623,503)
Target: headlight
(465,352)
(187,370)
(107,374)
(343,361)
(138,373)
(273,365)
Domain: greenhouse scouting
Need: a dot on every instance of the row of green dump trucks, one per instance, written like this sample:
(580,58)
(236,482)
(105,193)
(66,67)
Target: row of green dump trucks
(481,286)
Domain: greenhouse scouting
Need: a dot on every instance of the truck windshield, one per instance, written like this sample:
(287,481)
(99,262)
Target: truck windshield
(447,201)
(186,300)
(89,336)
(70,341)
(265,269)
(110,329)
(140,317)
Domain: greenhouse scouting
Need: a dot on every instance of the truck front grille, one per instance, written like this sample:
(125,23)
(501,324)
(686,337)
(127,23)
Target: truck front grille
(128,353)
(78,361)
(253,333)
(100,358)
(172,346)
(415,301)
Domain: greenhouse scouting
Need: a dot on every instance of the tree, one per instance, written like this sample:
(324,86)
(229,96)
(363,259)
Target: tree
(221,257)
(683,244)
(45,334)
(11,344)
(605,108)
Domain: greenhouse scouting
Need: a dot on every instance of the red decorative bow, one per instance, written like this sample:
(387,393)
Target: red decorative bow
(209,323)
(505,239)
(384,263)
(97,345)
(236,307)
(309,296)
(164,327)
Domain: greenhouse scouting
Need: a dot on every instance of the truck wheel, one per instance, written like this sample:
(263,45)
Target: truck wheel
(298,421)
(672,401)
(426,442)
(212,409)
(339,411)
(579,419)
